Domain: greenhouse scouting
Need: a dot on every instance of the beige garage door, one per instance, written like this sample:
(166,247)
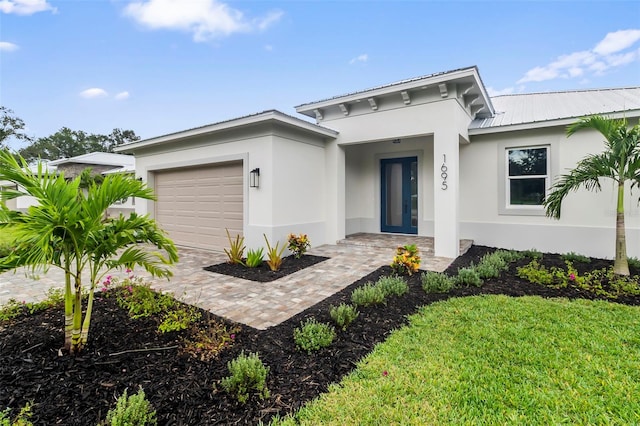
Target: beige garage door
(195,205)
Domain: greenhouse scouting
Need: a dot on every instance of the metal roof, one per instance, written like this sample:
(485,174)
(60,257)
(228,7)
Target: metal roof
(542,108)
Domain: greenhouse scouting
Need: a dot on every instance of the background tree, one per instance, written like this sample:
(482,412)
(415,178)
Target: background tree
(67,143)
(11,126)
(68,229)
(619,162)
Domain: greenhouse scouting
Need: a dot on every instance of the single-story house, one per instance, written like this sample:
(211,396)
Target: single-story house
(99,162)
(433,156)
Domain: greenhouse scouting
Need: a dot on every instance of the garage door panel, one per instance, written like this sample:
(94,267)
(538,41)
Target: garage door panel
(195,205)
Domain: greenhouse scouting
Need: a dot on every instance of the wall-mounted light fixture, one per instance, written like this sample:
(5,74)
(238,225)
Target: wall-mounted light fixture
(396,141)
(254,178)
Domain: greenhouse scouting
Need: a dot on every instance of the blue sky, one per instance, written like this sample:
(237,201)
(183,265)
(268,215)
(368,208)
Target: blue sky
(158,66)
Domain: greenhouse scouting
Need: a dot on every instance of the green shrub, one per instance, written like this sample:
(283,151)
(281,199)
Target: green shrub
(248,374)
(532,254)
(487,270)
(313,335)
(343,315)
(179,319)
(22,419)
(254,258)
(436,282)
(536,273)
(468,277)
(495,260)
(634,262)
(592,281)
(367,295)
(392,286)
(575,257)
(509,255)
(13,308)
(141,301)
(132,410)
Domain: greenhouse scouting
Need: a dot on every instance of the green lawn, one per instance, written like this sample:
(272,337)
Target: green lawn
(496,360)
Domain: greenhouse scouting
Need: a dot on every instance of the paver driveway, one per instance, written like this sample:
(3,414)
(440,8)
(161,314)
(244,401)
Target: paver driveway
(259,305)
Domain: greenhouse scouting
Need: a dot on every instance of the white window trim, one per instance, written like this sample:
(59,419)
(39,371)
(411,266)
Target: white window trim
(504,208)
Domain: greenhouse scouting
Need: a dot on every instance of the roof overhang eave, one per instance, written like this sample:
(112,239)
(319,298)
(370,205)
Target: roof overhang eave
(309,108)
(275,117)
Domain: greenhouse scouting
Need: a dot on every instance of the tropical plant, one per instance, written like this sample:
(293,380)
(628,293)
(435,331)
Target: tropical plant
(407,260)
(619,162)
(68,229)
(274,255)
(298,244)
(236,249)
(254,258)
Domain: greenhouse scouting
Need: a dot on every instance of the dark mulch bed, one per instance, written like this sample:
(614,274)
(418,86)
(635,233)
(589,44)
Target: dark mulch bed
(262,273)
(79,390)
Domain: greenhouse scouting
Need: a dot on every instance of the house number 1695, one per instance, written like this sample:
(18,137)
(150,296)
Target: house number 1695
(443,174)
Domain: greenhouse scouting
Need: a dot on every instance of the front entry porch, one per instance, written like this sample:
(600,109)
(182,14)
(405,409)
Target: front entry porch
(392,241)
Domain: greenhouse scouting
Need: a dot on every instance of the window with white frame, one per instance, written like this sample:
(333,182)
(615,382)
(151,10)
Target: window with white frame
(527,176)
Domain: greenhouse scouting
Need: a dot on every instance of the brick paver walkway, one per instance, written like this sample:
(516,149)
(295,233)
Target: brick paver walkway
(259,305)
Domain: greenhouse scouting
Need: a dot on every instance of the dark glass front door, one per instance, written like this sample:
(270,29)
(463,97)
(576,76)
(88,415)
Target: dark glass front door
(399,195)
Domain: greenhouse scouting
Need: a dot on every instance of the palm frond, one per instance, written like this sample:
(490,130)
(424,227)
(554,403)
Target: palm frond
(586,174)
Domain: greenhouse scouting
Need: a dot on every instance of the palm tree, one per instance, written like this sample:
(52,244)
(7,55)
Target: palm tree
(68,229)
(620,162)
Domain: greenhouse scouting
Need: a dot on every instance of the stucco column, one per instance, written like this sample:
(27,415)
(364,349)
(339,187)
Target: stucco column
(446,192)
(335,192)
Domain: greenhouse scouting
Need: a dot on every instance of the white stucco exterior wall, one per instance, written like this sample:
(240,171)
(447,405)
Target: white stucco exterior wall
(587,224)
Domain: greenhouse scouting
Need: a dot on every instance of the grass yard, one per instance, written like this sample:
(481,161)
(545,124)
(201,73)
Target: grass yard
(496,360)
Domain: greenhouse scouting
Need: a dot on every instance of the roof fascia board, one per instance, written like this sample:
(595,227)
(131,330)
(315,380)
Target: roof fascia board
(399,87)
(549,123)
(265,118)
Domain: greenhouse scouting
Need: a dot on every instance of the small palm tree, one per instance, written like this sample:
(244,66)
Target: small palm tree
(68,229)
(619,162)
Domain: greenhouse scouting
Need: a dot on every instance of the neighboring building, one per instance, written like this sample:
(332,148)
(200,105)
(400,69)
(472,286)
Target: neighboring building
(99,162)
(433,156)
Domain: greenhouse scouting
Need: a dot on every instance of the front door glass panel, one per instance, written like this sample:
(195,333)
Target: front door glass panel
(399,186)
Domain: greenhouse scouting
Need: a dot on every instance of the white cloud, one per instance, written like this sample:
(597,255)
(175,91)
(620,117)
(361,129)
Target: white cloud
(267,21)
(605,55)
(205,19)
(94,92)
(122,96)
(268,47)
(25,7)
(5,46)
(617,41)
(360,58)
